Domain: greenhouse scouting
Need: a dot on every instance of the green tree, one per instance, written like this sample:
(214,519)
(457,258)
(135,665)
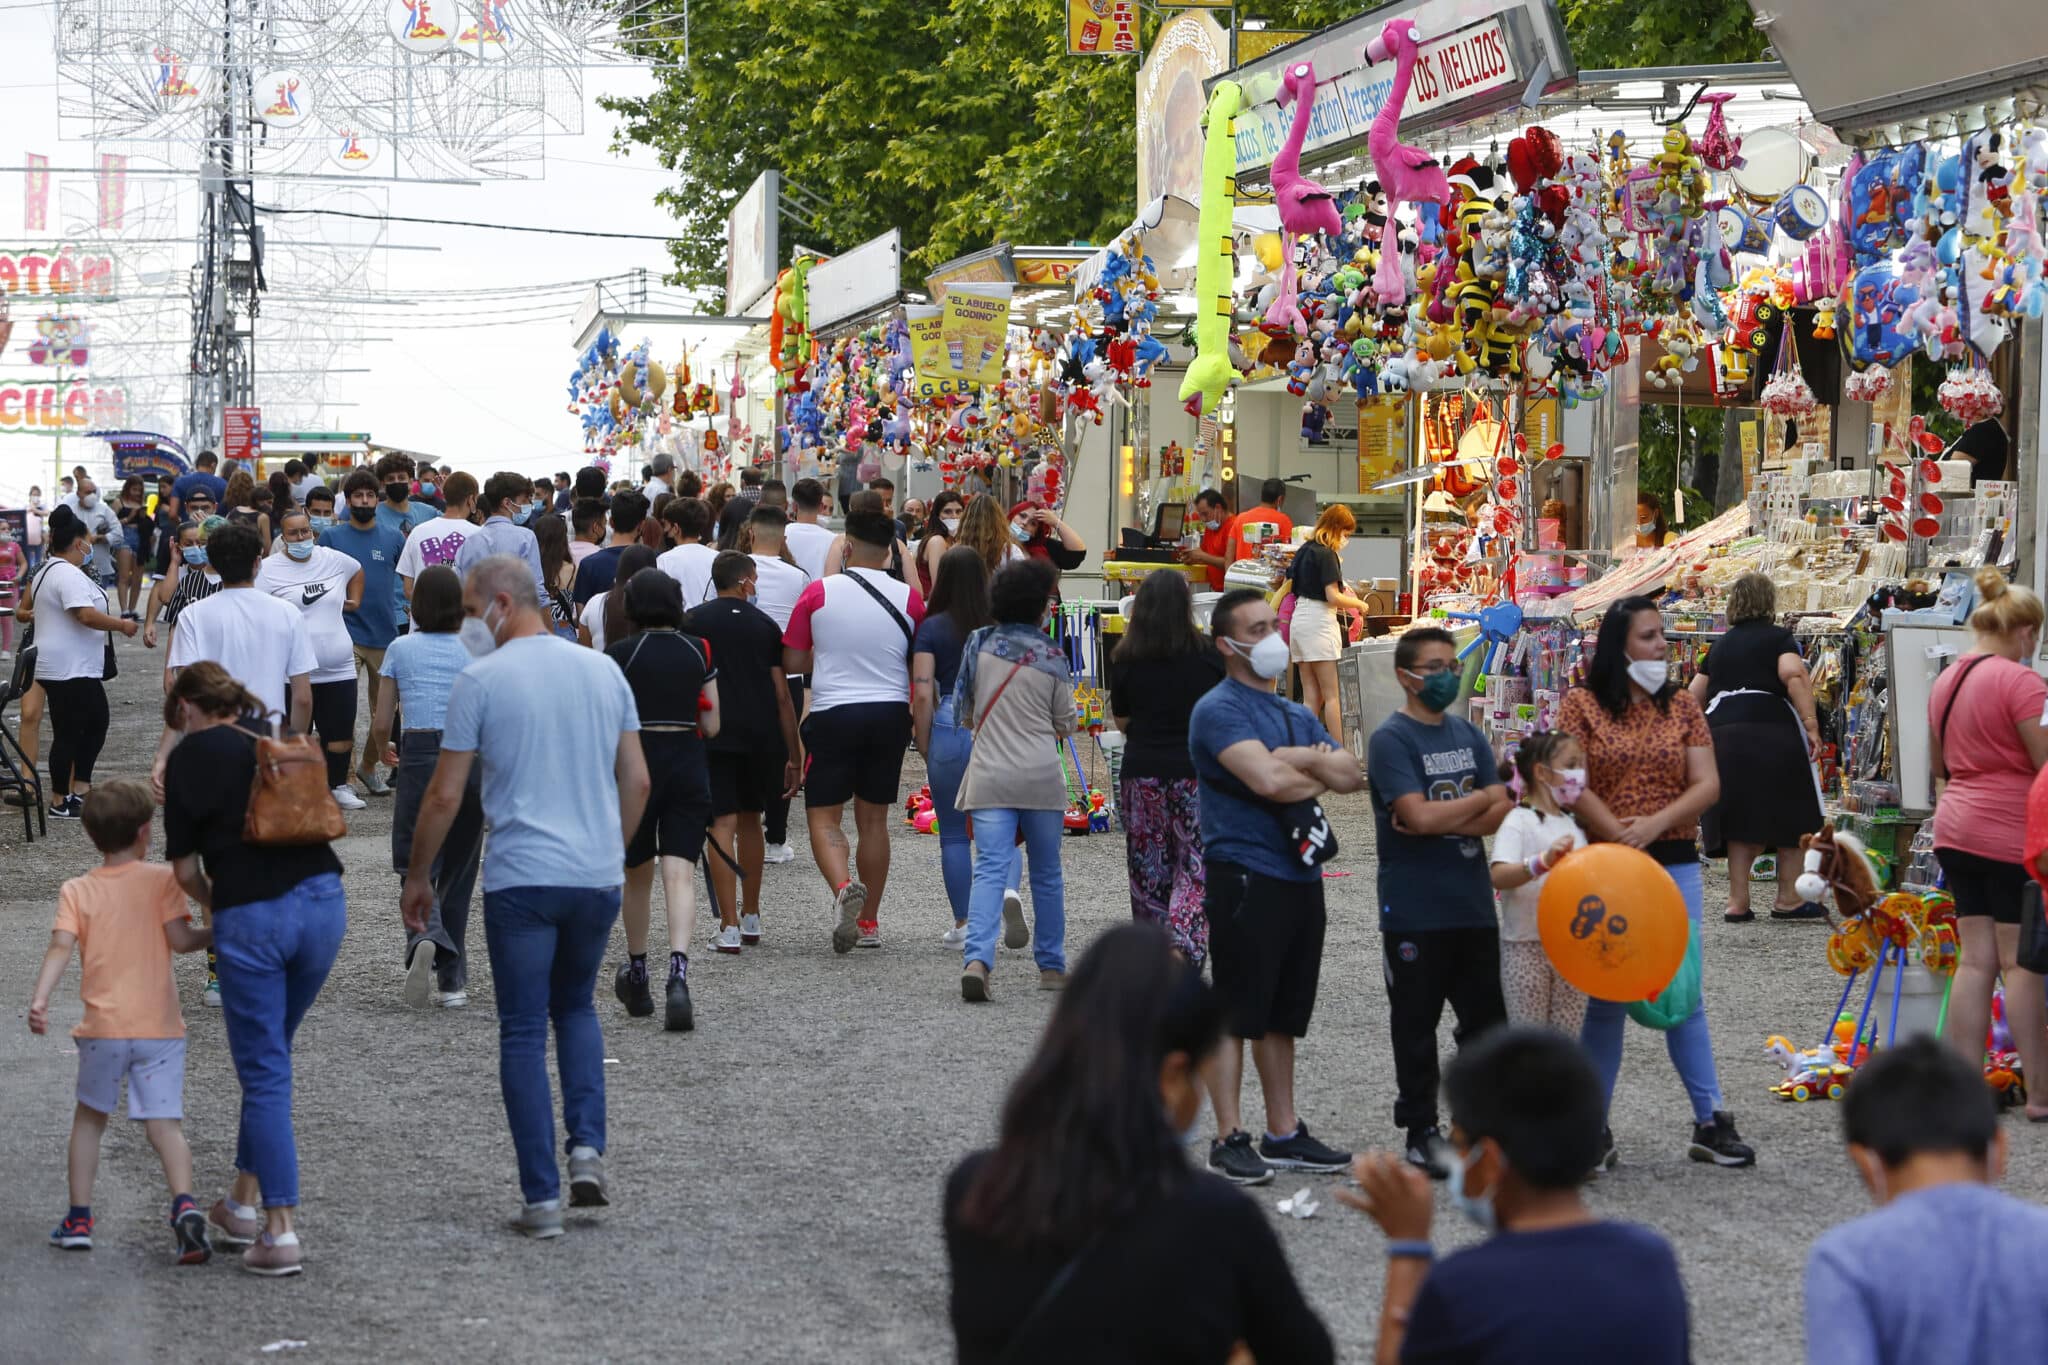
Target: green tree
(965,122)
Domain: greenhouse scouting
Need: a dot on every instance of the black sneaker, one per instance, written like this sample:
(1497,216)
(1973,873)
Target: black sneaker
(630,985)
(1719,1143)
(1234,1159)
(1424,1147)
(1302,1153)
(193,1247)
(70,808)
(681,1018)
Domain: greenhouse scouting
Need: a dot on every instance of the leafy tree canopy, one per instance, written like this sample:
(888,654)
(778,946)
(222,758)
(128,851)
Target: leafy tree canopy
(965,122)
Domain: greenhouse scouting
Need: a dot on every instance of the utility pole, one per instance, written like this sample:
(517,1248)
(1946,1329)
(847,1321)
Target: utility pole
(227,279)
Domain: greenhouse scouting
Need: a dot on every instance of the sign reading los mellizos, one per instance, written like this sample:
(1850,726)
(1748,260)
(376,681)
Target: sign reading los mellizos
(30,273)
(1472,59)
(33,406)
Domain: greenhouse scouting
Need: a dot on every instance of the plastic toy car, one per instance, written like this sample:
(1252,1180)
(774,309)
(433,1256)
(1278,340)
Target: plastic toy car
(1827,1082)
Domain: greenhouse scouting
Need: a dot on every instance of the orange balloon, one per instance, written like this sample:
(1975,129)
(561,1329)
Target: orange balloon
(1613,922)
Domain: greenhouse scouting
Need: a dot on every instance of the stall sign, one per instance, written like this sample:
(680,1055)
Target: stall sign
(145,455)
(957,346)
(36,273)
(1467,64)
(1102,28)
(41,408)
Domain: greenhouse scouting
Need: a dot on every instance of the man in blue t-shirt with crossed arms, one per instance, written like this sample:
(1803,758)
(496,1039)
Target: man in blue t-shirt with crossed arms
(1258,759)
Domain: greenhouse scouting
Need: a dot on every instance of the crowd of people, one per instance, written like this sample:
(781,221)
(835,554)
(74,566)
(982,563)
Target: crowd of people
(574,690)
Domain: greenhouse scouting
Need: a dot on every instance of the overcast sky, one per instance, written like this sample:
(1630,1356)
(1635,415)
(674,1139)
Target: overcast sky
(481,397)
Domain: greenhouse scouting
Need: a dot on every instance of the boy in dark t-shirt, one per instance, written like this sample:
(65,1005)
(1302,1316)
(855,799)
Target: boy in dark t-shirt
(1436,792)
(1553,1283)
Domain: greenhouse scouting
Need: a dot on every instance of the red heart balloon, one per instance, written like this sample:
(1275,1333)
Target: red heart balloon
(1552,201)
(1548,151)
(1522,164)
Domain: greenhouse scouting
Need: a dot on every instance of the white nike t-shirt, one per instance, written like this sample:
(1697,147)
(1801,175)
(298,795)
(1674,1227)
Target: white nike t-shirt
(317,588)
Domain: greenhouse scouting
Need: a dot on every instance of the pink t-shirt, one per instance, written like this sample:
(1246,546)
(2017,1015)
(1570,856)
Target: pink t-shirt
(1984,808)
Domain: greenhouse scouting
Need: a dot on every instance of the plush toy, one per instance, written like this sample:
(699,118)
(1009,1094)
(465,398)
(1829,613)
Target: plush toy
(1406,174)
(1835,861)
(1210,373)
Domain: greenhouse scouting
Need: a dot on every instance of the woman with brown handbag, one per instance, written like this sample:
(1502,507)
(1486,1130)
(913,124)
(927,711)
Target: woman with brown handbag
(278,917)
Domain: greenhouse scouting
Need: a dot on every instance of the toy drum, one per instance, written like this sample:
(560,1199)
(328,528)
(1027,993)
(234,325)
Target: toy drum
(1800,212)
(1774,161)
(1742,233)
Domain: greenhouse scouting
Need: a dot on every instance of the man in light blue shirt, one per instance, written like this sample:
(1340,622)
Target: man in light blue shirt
(1946,1267)
(564,785)
(500,535)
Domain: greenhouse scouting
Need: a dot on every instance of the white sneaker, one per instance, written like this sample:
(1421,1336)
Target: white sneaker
(778,853)
(1015,934)
(373,782)
(451,1000)
(728,940)
(750,929)
(419,974)
(955,937)
(345,797)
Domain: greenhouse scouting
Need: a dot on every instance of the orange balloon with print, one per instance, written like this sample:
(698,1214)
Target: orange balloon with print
(1612,922)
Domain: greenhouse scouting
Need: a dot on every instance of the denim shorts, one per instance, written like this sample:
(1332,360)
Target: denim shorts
(155,1068)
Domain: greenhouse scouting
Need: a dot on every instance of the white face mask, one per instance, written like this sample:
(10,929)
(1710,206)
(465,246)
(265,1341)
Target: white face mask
(89,501)
(1268,657)
(1649,674)
(1478,1208)
(952,525)
(1646,528)
(478,635)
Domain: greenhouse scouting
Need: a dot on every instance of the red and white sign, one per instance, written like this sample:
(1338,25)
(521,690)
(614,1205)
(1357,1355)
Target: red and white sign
(241,433)
(1467,64)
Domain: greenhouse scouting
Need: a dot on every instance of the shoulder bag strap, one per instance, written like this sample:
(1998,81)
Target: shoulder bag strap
(1047,1297)
(1941,731)
(989,710)
(902,621)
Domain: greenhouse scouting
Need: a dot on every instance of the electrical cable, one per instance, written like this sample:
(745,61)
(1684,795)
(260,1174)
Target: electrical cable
(465,222)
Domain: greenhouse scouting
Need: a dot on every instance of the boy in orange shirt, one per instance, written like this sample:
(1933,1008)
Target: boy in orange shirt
(126,917)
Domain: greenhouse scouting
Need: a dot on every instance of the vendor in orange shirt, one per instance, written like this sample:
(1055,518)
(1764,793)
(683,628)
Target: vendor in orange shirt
(1211,517)
(1244,539)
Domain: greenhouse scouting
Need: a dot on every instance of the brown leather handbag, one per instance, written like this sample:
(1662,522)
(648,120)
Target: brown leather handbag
(289,802)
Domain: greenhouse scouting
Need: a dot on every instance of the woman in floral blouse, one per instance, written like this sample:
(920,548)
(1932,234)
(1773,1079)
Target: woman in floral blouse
(1649,773)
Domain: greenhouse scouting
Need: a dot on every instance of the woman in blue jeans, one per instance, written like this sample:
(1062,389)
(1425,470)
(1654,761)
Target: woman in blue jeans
(957,608)
(277,917)
(1016,693)
(1650,772)
(421,666)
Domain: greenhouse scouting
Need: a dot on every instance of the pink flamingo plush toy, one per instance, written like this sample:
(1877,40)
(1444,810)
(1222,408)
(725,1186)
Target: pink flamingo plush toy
(1305,207)
(1407,174)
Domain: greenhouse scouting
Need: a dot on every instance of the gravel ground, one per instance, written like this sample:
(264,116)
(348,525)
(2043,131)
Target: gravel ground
(776,1176)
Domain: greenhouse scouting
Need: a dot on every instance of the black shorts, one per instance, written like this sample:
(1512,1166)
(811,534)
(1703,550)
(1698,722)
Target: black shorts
(1983,886)
(855,753)
(1265,948)
(747,782)
(678,803)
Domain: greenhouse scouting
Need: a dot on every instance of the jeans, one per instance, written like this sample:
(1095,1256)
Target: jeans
(1690,1046)
(951,746)
(995,861)
(274,956)
(546,943)
(454,871)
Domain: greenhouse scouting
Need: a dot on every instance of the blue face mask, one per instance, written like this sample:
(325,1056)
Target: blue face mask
(426,490)
(195,555)
(301,550)
(320,523)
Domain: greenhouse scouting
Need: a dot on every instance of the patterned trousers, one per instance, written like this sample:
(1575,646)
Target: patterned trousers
(1163,845)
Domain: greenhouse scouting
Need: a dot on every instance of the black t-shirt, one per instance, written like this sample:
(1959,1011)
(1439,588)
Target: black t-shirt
(746,645)
(1747,657)
(1158,696)
(597,571)
(1595,1292)
(1183,1280)
(667,670)
(940,637)
(206,798)
(1315,571)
